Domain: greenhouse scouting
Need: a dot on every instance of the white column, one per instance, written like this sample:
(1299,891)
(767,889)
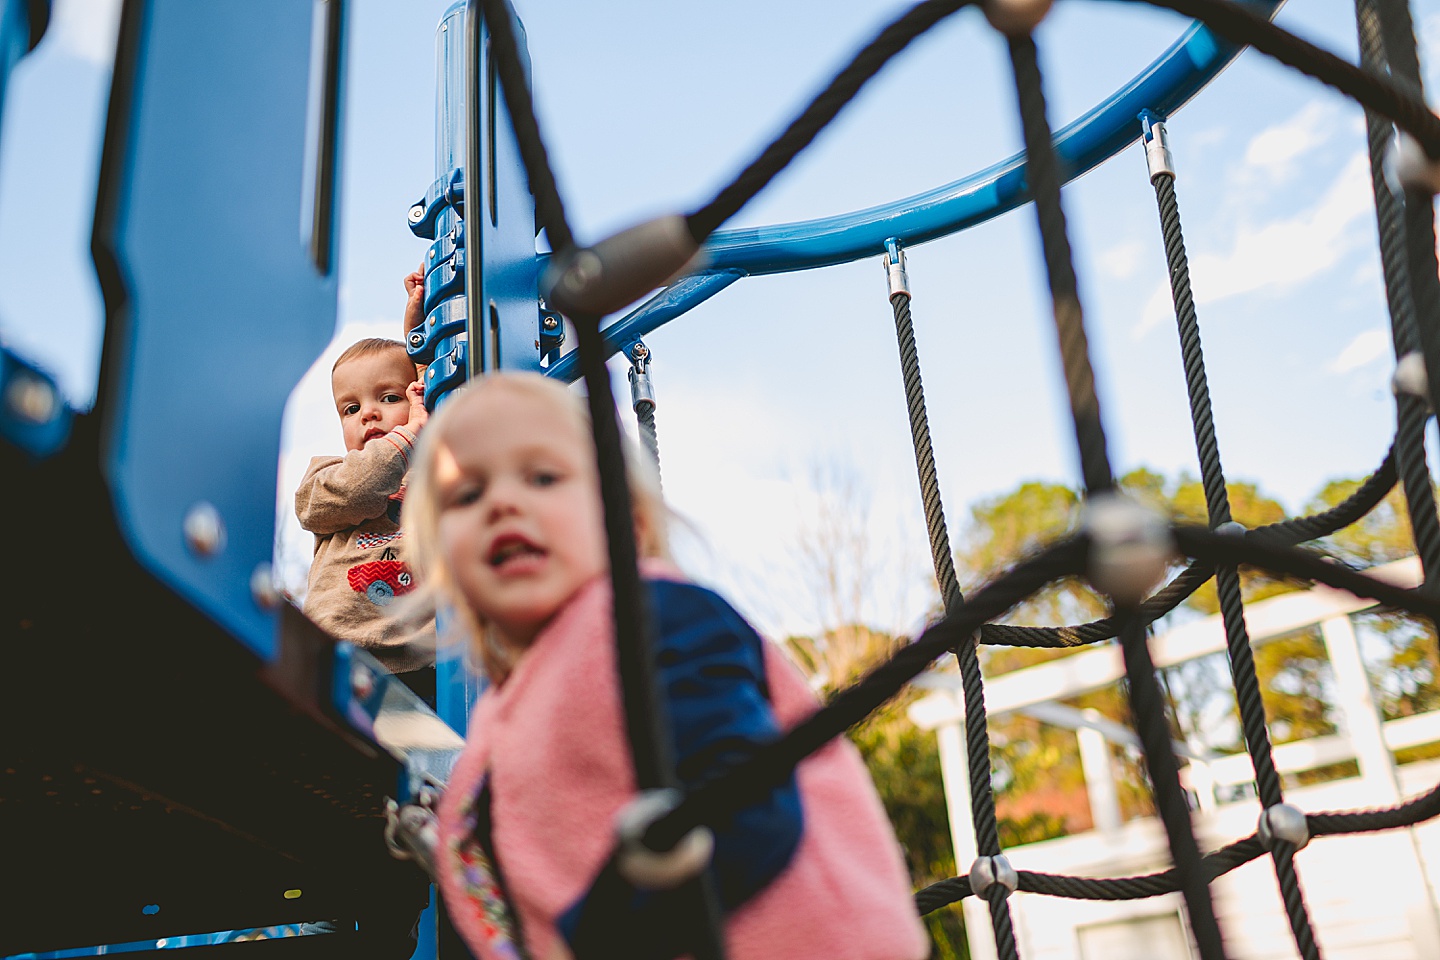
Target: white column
(955,774)
(1377,768)
(1099,779)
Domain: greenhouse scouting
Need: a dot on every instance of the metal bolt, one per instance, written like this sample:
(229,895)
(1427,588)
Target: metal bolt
(550,323)
(416,339)
(417,213)
(1284,822)
(362,682)
(264,588)
(1231,528)
(31,399)
(204,529)
(986,872)
(640,352)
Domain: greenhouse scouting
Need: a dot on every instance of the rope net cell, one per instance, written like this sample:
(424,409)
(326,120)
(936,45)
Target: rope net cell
(1387,84)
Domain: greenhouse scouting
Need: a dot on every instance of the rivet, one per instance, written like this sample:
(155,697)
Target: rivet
(204,530)
(264,588)
(417,213)
(362,682)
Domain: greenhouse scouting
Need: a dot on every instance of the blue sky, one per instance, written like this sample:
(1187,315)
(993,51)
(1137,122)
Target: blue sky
(649,106)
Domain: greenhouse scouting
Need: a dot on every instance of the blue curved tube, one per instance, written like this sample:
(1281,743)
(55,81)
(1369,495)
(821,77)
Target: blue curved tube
(1161,88)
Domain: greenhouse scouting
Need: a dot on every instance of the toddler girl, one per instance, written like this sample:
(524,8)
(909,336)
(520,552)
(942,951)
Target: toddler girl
(506,519)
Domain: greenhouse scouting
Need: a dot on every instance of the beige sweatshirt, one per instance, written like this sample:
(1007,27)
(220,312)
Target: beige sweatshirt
(352,505)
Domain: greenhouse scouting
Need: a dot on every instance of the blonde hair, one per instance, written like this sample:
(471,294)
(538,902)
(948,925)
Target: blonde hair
(368,347)
(422,509)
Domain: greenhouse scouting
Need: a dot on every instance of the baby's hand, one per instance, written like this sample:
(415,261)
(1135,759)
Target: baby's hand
(418,414)
(414,302)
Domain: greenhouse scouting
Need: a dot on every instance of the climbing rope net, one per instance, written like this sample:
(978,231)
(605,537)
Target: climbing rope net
(1119,543)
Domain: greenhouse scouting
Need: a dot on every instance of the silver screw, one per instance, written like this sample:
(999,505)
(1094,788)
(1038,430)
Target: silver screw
(416,339)
(31,399)
(264,588)
(550,323)
(204,529)
(417,213)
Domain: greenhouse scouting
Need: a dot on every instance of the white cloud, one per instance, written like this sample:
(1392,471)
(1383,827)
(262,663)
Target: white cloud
(86,29)
(1281,254)
(1364,349)
(1121,261)
(1274,151)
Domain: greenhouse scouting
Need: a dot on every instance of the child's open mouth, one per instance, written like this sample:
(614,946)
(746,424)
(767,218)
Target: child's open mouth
(512,551)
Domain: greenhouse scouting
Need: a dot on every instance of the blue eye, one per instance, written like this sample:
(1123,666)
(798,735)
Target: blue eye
(466,496)
(544,478)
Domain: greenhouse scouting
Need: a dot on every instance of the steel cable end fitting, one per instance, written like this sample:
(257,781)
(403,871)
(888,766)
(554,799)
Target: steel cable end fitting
(986,872)
(599,280)
(1408,167)
(642,391)
(412,832)
(651,869)
(1411,376)
(1130,547)
(1157,146)
(895,268)
(1285,822)
(1015,18)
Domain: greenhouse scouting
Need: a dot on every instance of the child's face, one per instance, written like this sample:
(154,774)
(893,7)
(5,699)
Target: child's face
(370,396)
(520,527)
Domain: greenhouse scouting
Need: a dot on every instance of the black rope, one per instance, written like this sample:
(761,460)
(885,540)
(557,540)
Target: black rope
(977,727)
(1147,705)
(1042,169)
(1216,864)
(1400,294)
(645,420)
(1397,33)
(814,118)
(1297,530)
(1227,579)
(646,723)
(1242,25)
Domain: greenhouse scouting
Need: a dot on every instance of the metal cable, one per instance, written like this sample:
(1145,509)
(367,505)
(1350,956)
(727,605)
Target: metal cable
(977,730)
(1227,579)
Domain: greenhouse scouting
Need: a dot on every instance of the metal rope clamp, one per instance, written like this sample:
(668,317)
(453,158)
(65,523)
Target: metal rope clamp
(1286,822)
(642,390)
(989,872)
(412,830)
(1130,547)
(895,268)
(1157,146)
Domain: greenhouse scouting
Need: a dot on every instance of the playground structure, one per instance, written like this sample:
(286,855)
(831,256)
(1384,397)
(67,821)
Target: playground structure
(223,769)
